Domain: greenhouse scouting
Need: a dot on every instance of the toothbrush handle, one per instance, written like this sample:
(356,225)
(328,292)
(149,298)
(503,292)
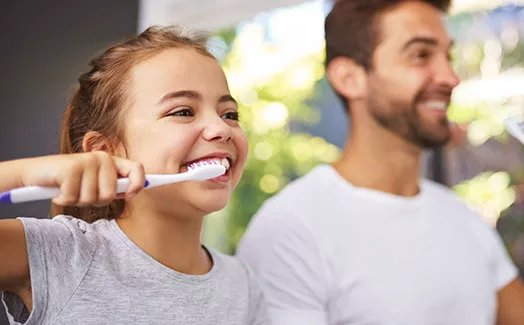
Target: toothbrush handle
(29,193)
(36,193)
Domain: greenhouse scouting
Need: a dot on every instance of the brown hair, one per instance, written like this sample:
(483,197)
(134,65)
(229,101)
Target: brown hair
(352,29)
(100,95)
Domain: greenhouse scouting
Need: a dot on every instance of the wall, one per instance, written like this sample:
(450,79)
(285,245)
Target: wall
(45,45)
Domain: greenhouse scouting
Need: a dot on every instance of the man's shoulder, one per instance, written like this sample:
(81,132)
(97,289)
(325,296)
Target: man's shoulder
(440,191)
(305,186)
(455,208)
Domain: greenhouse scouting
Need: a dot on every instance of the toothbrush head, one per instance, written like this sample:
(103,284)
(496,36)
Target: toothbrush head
(204,170)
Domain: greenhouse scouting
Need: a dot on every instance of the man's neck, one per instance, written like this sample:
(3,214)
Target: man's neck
(381,162)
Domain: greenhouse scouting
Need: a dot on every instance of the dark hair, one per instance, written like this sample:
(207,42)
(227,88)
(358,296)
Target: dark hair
(98,99)
(352,29)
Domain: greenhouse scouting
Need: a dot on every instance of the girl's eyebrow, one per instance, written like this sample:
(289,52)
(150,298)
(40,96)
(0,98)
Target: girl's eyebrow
(192,94)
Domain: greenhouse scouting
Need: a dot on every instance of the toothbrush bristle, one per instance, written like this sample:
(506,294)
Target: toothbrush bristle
(202,163)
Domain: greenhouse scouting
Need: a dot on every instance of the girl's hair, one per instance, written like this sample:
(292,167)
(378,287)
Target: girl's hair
(101,94)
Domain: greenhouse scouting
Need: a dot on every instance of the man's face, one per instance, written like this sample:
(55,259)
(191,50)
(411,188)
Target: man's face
(411,79)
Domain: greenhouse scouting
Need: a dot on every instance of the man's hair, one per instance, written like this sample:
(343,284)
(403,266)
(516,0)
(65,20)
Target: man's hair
(352,28)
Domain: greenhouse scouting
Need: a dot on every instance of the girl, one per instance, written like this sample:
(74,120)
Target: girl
(155,103)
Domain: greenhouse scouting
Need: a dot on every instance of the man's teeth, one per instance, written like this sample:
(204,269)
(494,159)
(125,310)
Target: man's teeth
(434,104)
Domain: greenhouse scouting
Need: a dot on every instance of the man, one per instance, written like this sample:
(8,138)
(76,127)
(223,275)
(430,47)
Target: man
(366,240)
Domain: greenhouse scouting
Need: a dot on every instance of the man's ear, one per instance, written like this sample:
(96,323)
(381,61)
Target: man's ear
(96,141)
(347,77)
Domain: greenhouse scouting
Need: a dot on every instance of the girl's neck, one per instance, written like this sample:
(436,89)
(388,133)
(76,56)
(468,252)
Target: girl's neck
(173,242)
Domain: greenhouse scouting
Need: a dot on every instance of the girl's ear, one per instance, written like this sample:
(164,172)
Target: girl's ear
(96,141)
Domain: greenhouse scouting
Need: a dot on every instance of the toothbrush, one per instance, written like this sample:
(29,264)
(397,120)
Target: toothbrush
(515,128)
(197,172)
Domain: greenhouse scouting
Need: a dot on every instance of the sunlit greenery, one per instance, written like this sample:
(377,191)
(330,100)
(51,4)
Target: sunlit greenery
(492,70)
(489,193)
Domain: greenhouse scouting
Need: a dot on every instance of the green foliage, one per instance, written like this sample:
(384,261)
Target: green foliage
(491,193)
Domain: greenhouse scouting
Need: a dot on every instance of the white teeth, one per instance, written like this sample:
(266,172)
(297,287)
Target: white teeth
(434,104)
(213,161)
(225,163)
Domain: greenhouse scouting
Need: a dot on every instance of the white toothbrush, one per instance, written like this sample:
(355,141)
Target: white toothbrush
(515,128)
(197,172)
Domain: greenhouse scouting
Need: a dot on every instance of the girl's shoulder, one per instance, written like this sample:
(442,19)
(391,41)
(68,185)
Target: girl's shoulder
(235,269)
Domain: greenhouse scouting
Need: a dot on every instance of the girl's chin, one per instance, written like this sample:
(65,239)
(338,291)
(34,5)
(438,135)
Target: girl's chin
(204,198)
(213,205)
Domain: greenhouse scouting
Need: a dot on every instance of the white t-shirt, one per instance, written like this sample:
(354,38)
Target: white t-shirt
(331,253)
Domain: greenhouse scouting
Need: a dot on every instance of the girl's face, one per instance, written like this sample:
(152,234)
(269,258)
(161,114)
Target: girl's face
(181,112)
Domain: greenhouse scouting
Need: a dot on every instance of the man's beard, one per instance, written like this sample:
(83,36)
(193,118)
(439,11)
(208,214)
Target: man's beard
(408,124)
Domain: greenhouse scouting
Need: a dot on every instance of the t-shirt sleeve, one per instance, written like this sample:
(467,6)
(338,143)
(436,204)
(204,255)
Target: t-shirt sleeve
(281,250)
(59,253)
(504,271)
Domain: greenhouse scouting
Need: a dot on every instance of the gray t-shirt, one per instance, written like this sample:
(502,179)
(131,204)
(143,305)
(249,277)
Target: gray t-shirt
(93,274)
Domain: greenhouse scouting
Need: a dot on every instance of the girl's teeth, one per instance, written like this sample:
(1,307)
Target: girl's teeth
(225,163)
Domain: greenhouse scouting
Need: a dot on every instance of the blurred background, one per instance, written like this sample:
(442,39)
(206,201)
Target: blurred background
(272,52)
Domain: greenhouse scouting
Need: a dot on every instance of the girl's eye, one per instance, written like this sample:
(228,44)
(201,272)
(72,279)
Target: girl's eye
(231,116)
(184,112)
